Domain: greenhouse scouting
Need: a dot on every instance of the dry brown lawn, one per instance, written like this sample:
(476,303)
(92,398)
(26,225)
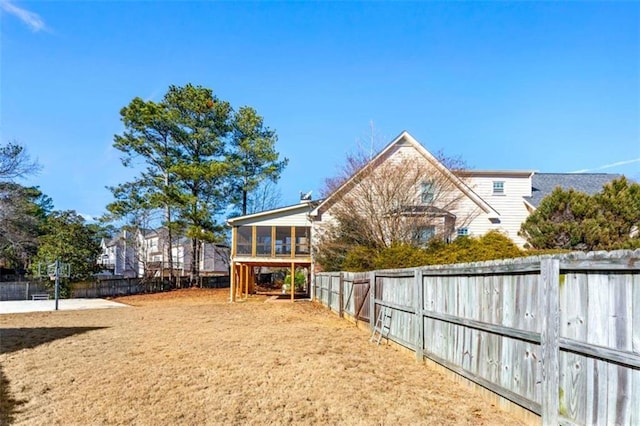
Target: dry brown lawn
(189,357)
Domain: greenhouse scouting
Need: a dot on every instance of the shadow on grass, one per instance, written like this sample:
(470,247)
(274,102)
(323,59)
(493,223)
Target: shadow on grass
(287,296)
(15,339)
(8,404)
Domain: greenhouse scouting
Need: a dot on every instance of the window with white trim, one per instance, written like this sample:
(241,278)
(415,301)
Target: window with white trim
(498,187)
(427,192)
(424,234)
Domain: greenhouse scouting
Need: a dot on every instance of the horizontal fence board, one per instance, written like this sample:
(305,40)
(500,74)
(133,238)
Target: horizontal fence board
(497,269)
(484,326)
(524,402)
(395,306)
(610,265)
(624,358)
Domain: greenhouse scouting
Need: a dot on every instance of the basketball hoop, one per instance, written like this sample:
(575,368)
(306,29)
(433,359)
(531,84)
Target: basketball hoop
(54,271)
(49,270)
(63,270)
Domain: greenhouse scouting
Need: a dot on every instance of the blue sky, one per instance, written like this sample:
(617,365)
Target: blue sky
(546,86)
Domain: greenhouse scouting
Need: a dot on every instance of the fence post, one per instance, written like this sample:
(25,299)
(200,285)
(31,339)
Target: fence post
(372,300)
(549,341)
(341,295)
(419,327)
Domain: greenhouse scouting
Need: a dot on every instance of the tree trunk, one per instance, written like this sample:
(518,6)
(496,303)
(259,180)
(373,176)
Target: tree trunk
(169,233)
(244,202)
(195,254)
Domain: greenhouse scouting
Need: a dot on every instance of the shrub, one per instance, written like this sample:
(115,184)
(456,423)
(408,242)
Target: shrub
(490,246)
(299,281)
(359,258)
(401,256)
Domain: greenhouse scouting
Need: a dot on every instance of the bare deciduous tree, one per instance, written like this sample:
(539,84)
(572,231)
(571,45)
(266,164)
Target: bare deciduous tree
(22,209)
(15,162)
(265,196)
(397,199)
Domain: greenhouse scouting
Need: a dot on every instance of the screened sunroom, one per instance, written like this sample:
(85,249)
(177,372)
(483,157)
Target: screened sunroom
(279,238)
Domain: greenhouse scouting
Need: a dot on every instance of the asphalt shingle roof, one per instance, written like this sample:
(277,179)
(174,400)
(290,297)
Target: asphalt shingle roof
(543,184)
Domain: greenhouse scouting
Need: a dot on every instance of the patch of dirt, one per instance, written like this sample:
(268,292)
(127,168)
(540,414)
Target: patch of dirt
(190,357)
(186,295)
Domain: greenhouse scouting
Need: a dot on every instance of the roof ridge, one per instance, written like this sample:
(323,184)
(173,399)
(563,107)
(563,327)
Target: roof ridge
(578,174)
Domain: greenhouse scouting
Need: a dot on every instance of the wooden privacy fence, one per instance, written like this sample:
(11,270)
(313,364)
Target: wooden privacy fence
(345,293)
(111,287)
(118,287)
(21,290)
(128,286)
(557,335)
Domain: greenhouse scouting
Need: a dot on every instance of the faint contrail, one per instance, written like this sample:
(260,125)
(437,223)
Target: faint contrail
(33,20)
(608,166)
(152,96)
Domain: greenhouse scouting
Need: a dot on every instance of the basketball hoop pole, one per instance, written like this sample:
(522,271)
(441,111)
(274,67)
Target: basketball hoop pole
(57,282)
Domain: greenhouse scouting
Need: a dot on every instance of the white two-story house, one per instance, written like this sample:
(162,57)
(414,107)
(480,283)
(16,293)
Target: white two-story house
(145,253)
(437,201)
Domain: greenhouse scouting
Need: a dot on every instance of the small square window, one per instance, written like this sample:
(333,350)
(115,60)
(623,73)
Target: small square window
(498,187)
(463,231)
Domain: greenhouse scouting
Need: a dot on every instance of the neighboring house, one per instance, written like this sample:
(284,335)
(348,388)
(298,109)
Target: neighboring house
(543,184)
(118,257)
(484,201)
(145,253)
(214,258)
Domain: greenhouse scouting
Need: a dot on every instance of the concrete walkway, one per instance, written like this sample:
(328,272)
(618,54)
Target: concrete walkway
(23,306)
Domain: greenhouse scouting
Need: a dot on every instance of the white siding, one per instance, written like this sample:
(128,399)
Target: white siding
(286,218)
(510,205)
(510,209)
(214,259)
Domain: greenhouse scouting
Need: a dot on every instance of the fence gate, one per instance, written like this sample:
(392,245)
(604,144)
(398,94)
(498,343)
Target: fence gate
(361,299)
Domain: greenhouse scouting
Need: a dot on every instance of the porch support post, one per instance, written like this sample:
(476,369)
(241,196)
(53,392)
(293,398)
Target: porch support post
(232,289)
(252,279)
(246,281)
(293,280)
(240,280)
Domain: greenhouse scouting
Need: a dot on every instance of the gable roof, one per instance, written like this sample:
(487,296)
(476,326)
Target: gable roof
(405,138)
(305,205)
(543,184)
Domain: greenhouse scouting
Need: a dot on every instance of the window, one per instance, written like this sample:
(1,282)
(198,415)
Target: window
(424,234)
(498,187)
(427,192)
(263,241)
(244,239)
(302,239)
(283,240)
(462,232)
